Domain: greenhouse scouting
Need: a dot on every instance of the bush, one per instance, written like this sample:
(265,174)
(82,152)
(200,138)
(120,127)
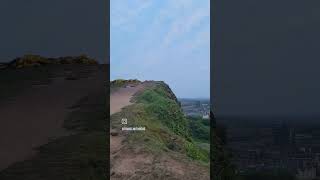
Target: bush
(121,82)
(161,105)
(166,110)
(200,128)
(196,153)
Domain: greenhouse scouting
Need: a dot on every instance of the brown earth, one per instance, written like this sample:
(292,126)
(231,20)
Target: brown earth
(134,163)
(37,115)
(118,100)
(138,164)
(121,98)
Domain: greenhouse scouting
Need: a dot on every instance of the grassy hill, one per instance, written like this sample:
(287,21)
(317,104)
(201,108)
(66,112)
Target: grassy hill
(31,60)
(167,132)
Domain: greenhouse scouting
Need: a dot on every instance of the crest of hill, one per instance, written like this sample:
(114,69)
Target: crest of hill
(121,83)
(30,60)
(157,108)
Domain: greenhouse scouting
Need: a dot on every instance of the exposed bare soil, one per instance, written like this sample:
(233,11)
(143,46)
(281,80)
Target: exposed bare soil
(129,162)
(37,114)
(121,98)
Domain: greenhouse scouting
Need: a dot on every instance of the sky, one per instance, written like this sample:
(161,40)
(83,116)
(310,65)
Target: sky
(53,28)
(167,40)
(266,58)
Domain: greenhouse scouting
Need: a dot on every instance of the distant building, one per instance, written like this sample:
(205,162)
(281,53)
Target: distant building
(206,116)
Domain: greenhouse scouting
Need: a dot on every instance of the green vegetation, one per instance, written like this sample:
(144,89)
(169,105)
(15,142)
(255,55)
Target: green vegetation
(121,83)
(153,139)
(200,132)
(158,110)
(166,110)
(195,152)
(31,60)
(200,129)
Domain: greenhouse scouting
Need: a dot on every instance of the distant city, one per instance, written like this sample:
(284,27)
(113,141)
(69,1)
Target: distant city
(196,107)
(268,145)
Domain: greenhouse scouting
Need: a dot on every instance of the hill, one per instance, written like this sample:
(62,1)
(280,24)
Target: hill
(166,149)
(53,122)
(31,60)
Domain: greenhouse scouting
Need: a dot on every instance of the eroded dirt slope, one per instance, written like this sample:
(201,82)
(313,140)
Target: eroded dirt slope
(36,115)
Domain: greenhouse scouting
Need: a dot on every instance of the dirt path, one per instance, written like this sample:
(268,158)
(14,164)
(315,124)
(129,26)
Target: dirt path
(138,164)
(37,115)
(129,161)
(121,98)
(118,100)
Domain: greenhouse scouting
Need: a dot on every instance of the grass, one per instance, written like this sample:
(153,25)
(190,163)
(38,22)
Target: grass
(200,129)
(150,139)
(166,110)
(30,60)
(167,128)
(118,83)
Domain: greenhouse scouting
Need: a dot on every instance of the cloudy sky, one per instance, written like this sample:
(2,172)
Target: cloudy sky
(167,40)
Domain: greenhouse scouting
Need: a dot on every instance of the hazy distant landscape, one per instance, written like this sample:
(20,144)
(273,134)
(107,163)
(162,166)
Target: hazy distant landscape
(195,107)
(274,147)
